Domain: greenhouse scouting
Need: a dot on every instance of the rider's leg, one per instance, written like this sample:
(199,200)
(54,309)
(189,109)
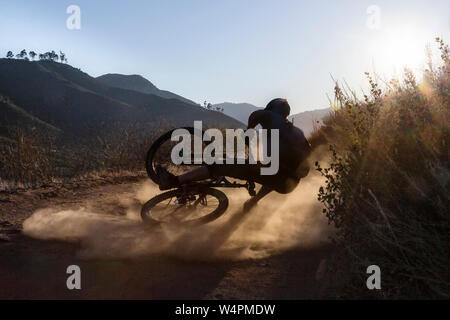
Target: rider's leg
(168,180)
(244,172)
(197,174)
(249,172)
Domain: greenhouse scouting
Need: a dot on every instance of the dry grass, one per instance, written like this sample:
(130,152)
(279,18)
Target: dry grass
(27,158)
(33,158)
(387,188)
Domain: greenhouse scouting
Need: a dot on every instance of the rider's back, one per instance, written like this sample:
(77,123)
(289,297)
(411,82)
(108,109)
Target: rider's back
(293,146)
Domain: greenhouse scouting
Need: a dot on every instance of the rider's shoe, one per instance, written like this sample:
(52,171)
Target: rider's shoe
(166,179)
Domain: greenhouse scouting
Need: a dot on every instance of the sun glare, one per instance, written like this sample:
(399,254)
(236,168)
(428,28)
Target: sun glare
(397,48)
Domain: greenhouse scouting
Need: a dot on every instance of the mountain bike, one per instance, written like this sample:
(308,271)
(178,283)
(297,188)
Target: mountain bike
(191,204)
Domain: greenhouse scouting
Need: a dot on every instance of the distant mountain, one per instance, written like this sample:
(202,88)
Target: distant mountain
(140,84)
(60,97)
(238,111)
(309,119)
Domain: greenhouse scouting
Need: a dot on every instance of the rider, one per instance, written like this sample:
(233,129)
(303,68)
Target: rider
(293,152)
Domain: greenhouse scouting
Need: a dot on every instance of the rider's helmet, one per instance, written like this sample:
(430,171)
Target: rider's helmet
(279,106)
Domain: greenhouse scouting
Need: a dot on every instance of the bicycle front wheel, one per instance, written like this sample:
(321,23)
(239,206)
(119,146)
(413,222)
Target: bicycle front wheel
(184,207)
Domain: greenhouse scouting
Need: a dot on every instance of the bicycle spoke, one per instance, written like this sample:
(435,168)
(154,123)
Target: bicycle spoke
(187,214)
(172,212)
(199,200)
(170,200)
(184,207)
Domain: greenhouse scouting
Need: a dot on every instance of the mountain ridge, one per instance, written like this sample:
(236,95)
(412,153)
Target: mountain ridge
(139,83)
(69,99)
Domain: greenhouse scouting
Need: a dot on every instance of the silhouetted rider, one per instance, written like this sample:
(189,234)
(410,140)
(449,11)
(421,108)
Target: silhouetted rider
(293,152)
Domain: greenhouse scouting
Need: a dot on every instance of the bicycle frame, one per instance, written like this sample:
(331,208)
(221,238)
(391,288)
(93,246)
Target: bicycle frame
(221,182)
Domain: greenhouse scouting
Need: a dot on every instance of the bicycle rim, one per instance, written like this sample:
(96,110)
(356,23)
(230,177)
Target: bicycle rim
(160,154)
(179,207)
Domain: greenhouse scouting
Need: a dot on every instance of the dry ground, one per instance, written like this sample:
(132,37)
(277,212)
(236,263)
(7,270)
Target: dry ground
(239,257)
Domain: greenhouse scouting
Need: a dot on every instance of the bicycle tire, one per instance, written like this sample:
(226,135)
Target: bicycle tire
(154,148)
(219,195)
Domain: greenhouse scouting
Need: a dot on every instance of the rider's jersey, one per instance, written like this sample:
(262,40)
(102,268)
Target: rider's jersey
(294,147)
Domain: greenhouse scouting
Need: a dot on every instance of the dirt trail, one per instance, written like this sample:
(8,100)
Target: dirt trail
(271,252)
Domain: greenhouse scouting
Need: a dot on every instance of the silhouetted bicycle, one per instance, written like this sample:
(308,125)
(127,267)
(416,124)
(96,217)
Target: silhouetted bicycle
(191,204)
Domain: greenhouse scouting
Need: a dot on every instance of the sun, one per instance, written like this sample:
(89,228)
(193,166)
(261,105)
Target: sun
(393,49)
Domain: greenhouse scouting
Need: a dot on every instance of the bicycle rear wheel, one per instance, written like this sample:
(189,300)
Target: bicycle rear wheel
(160,154)
(185,207)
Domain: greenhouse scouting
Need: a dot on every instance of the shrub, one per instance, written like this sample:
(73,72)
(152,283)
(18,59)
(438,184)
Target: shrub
(31,158)
(28,158)
(387,185)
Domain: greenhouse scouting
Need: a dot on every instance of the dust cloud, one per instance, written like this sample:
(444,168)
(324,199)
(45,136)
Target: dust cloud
(278,223)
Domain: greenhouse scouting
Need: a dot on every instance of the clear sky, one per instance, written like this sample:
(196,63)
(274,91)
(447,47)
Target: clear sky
(237,51)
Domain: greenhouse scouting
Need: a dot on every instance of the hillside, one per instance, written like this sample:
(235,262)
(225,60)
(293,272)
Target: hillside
(71,100)
(12,116)
(140,84)
(239,111)
(309,119)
